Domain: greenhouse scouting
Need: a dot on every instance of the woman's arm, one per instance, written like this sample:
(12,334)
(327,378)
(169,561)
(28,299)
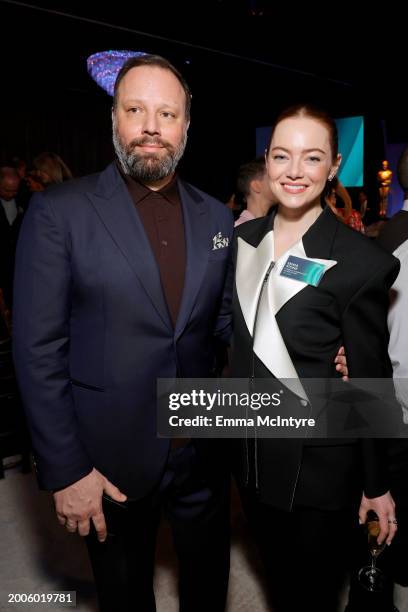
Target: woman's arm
(365,336)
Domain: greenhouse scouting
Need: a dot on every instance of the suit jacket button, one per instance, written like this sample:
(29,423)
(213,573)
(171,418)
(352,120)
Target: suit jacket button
(303,402)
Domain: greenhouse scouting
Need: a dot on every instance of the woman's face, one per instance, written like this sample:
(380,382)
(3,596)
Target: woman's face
(299,162)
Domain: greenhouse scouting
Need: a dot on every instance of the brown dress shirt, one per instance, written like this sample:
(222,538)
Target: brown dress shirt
(162,216)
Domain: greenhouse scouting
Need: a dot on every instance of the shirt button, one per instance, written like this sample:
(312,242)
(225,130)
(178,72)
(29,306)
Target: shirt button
(164,242)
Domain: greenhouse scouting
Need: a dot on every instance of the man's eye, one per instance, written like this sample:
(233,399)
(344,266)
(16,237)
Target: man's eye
(167,114)
(134,109)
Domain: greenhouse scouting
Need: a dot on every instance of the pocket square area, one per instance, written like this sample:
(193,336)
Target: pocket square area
(220,242)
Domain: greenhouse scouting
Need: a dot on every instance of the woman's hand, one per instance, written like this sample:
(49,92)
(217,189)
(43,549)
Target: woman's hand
(384,507)
(341,363)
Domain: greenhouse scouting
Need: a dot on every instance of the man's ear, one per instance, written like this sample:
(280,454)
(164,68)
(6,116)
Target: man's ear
(255,185)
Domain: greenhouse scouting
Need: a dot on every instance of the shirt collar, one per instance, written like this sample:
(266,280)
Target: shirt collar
(139,191)
(9,203)
(405,205)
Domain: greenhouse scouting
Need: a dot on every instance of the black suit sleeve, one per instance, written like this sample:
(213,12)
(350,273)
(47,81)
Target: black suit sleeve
(365,337)
(42,295)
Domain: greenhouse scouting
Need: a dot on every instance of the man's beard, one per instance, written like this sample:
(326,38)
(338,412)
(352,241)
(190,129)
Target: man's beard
(147,167)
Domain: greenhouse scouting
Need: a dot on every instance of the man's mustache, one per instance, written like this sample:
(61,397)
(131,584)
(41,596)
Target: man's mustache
(150,141)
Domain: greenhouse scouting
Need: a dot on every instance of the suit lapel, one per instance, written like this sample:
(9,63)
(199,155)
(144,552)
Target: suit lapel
(318,240)
(115,208)
(198,245)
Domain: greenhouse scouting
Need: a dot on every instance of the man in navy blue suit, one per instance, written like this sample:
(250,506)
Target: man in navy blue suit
(119,278)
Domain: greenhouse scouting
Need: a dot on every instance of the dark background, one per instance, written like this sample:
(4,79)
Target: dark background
(243,60)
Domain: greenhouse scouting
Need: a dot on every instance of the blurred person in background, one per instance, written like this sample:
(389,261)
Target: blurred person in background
(50,169)
(253,190)
(344,209)
(11,213)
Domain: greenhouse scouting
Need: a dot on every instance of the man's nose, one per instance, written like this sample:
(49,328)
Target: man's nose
(151,125)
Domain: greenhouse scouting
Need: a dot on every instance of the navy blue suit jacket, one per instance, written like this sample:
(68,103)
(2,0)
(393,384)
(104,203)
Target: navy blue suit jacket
(93,333)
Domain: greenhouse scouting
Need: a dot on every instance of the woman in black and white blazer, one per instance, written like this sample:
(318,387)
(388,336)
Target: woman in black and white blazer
(303,498)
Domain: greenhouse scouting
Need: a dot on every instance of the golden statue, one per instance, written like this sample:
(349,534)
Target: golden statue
(384,177)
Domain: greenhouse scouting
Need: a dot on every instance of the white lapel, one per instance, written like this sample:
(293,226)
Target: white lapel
(252,265)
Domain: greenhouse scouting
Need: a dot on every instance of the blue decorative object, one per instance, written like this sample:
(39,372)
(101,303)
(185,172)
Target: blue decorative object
(104,66)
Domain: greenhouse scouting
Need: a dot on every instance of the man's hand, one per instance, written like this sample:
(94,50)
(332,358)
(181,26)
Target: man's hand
(77,504)
(341,362)
(384,507)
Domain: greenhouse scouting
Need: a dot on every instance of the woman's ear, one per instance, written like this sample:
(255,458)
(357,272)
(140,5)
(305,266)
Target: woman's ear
(335,167)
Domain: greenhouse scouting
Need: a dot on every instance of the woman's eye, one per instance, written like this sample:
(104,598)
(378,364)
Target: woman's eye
(279,157)
(314,159)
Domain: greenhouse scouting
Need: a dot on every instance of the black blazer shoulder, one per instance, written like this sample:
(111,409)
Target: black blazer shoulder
(363,256)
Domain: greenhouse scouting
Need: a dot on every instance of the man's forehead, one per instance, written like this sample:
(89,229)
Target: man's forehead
(144,80)
(8,175)
(146,74)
